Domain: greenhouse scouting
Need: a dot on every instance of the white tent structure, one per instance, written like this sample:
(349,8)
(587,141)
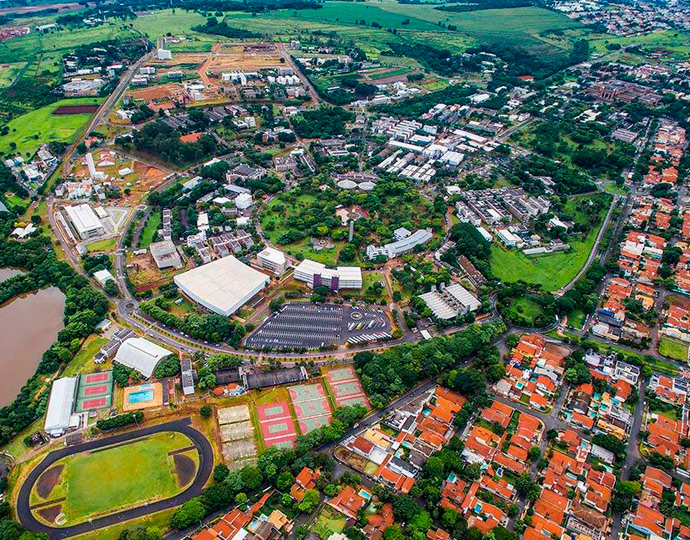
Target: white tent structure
(141,354)
(60,404)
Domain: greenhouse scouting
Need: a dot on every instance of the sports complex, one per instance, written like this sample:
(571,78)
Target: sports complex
(95,391)
(100,483)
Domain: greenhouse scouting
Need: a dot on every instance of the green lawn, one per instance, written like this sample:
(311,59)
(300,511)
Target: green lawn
(329,522)
(577,318)
(102,245)
(677,43)
(524,309)
(168,20)
(40,126)
(99,483)
(85,355)
(149,232)
(673,349)
(551,271)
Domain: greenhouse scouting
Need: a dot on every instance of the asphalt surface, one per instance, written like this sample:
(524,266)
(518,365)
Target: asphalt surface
(195,489)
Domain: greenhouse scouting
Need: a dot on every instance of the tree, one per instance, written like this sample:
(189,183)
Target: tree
(534,453)
(141,533)
(206,411)
(220,473)
(285,480)
(310,501)
(241,498)
(252,477)
(191,512)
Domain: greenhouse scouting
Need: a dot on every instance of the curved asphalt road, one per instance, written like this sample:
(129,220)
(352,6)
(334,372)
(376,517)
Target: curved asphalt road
(183,426)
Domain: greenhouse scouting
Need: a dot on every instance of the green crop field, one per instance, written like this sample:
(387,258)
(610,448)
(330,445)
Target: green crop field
(9,72)
(26,47)
(128,475)
(41,126)
(176,22)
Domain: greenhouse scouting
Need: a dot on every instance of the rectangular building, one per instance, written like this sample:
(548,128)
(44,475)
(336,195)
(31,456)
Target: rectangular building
(85,221)
(165,254)
(315,274)
(273,260)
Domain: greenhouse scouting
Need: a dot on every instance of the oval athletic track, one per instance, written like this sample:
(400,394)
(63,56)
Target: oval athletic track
(183,426)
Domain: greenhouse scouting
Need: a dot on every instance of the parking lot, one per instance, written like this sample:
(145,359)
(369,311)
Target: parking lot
(302,325)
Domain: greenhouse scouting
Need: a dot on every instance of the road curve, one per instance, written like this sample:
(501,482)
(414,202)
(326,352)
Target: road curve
(183,426)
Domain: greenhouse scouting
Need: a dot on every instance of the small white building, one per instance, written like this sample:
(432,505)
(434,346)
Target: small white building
(244,201)
(103,276)
(164,54)
(508,238)
(273,260)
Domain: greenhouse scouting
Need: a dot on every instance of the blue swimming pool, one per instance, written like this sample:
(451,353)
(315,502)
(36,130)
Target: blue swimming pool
(141,396)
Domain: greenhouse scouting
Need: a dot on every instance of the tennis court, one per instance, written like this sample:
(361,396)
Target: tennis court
(311,406)
(277,427)
(95,391)
(346,387)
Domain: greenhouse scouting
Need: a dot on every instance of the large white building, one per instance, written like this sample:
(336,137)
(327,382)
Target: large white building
(85,221)
(60,405)
(141,354)
(403,244)
(273,260)
(314,274)
(165,254)
(452,301)
(223,286)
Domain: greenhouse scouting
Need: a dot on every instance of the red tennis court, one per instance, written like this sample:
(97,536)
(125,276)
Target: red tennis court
(95,403)
(96,390)
(278,432)
(273,411)
(93,378)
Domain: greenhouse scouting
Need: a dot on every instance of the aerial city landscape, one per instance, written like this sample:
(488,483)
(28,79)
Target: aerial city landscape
(329,270)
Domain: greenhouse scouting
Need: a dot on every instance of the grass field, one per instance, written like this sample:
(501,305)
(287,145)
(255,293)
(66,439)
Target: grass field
(551,271)
(123,476)
(673,349)
(150,230)
(168,20)
(83,360)
(9,72)
(102,245)
(41,126)
(329,522)
(678,44)
(525,308)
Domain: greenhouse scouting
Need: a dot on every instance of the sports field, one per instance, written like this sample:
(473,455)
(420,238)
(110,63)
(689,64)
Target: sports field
(311,406)
(346,387)
(95,391)
(277,426)
(91,484)
(41,126)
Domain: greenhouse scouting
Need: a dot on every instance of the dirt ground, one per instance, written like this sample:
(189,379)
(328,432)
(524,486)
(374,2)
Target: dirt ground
(48,480)
(185,469)
(159,92)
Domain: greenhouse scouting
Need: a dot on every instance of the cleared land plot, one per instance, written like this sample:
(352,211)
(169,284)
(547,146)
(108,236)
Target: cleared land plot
(106,480)
(346,387)
(311,406)
(41,126)
(277,427)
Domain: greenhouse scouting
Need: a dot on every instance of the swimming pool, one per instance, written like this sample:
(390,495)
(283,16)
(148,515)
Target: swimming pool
(141,396)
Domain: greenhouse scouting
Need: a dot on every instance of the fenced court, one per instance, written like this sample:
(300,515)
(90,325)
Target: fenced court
(95,391)
(277,427)
(346,387)
(311,406)
(237,436)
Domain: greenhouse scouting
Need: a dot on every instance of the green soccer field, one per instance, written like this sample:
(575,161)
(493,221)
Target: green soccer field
(119,477)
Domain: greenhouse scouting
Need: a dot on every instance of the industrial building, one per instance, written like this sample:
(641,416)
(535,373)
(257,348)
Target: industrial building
(141,354)
(315,274)
(85,221)
(405,242)
(222,286)
(273,260)
(59,417)
(103,276)
(451,301)
(165,255)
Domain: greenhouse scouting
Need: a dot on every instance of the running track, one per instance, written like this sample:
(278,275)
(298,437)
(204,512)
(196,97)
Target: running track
(182,426)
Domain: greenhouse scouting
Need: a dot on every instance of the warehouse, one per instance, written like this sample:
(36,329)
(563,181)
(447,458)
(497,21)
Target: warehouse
(141,354)
(85,221)
(315,274)
(165,255)
(59,416)
(223,286)
(450,302)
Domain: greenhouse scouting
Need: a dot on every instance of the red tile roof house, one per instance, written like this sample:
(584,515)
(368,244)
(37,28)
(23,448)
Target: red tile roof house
(348,502)
(304,481)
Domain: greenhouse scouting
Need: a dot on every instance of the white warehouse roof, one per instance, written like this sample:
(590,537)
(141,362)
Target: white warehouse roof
(60,405)
(141,354)
(223,285)
(84,219)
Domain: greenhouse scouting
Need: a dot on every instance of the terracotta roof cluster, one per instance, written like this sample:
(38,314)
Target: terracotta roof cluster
(348,502)
(668,150)
(533,373)
(304,481)
(249,525)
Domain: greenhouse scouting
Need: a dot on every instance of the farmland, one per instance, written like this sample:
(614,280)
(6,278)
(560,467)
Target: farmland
(41,126)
